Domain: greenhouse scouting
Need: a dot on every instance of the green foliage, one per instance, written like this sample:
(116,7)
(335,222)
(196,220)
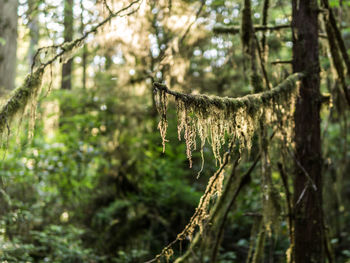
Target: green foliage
(96,186)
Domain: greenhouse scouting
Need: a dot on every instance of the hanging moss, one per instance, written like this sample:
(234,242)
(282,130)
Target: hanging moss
(259,246)
(160,99)
(213,118)
(27,95)
(22,98)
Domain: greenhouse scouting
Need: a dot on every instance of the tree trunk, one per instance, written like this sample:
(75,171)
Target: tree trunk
(33,30)
(68,36)
(85,48)
(8,44)
(308,225)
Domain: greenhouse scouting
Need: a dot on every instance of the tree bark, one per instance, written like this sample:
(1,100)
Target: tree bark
(8,44)
(309,236)
(68,36)
(33,30)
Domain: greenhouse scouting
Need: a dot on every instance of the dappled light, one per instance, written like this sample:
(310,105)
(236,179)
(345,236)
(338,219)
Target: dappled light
(186,131)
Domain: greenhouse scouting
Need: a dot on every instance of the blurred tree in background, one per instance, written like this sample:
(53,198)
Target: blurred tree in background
(93,183)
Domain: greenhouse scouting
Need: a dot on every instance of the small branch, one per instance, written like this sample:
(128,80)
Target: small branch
(107,6)
(181,235)
(288,200)
(281,62)
(244,180)
(262,61)
(302,193)
(304,171)
(221,29)
(66,47)
(334,32)
(191,24)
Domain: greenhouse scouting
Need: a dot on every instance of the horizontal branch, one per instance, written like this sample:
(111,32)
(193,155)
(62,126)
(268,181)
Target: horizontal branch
(246,101)
(222,29)
(281,62)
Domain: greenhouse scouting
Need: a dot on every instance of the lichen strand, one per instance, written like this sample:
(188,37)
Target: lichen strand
(23,98)
(161,102)
(201,215)
(213,119)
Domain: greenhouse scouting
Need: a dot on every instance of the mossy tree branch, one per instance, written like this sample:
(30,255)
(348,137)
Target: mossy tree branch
(250,102)
(30,89)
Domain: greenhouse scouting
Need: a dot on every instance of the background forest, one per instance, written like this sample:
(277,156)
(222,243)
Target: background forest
(83,178)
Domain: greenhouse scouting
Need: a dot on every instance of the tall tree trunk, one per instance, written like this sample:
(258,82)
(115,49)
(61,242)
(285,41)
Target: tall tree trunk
(68,36)
(33,30)
(308,225)
(8,44)
(85,47)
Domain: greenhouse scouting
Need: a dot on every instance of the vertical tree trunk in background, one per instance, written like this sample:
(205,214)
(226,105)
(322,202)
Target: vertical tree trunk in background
(85,48)
(68,36)
(308,225)
(8,44)
(33,29)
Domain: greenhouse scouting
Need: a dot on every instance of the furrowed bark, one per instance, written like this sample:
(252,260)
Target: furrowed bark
(308,238)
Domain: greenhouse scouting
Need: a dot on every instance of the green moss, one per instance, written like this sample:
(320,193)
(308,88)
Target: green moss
(214,118)
(22,97)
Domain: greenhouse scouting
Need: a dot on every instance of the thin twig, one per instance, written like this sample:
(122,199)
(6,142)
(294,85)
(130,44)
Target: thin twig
(288,199)
(66,47)
(221,29)
(181,235)
(107,6)
(281,62)
(303,170)
(243,182)
(262,62)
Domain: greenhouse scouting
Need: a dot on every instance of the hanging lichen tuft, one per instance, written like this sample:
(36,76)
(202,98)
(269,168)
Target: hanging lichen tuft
(200,218)
(23,98)
(215,119)
(161,103)
(27,95)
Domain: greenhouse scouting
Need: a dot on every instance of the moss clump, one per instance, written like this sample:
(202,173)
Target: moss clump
(213,118)
(23,97)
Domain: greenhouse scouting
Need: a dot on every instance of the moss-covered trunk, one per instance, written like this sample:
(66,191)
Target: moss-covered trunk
(8,45)
(68,36)
(308,238)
